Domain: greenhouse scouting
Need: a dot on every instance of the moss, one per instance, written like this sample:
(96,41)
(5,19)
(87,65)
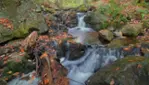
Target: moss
(123,72)
(117,43)
(23,67)
(82,8)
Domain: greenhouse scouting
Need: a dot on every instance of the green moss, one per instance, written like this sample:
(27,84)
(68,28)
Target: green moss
(23,67)
(82,8)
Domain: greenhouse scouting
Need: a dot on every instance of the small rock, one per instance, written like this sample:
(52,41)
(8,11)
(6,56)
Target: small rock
(106,34)
(118,34)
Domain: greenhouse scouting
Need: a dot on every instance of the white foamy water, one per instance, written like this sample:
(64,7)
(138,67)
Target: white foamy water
(20,81)
(80,31)
(94,58)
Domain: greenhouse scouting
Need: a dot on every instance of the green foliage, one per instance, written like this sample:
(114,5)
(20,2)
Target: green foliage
(113,11)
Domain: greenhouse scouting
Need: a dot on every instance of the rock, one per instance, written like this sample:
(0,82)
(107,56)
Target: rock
(30,40)
(127,71)
(132,29)
(121,42)
(106,35)
(96,20)
(3,82)
(118,34)
(17,62)
(76,50)
(23,19)
(145,49)
(16,56)
(92,38)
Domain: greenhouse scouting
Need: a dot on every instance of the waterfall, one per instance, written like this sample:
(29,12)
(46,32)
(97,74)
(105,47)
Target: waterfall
(94,58)
(81,22)
(80,31)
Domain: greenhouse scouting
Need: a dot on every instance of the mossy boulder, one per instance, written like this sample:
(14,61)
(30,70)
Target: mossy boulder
(132,29)
(17,62)
(127,71)
(24,19)
(96,20)
(121,42)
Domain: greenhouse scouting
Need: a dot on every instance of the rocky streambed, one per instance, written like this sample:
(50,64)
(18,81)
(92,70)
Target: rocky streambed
(41,44)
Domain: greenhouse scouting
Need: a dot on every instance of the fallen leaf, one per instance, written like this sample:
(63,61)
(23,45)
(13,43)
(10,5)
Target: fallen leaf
(9,72)
(118,68)
(16,74)
(44,55)
(22,50)
(112,82)
(139,66)
(126,49)
(46,81)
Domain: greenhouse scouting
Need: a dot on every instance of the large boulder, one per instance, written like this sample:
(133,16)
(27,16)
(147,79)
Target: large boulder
(22,17)
(132,29)
(127,71)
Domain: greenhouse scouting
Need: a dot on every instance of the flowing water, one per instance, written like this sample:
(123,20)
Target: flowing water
(95,57)
(80,31)
(26,80)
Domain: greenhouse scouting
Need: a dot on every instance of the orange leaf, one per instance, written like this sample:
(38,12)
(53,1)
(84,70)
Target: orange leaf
(44,55)
(139,66)
(118,68)
(126,49)
(16,74)
(46,81)
(21,50)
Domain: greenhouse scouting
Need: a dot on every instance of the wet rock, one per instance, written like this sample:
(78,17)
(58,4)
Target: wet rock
(127,71)
(92,38)
(106,35)
(132,29)
(76,51)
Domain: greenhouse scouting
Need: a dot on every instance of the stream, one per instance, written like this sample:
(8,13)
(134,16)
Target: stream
(79,70)
(95,57)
